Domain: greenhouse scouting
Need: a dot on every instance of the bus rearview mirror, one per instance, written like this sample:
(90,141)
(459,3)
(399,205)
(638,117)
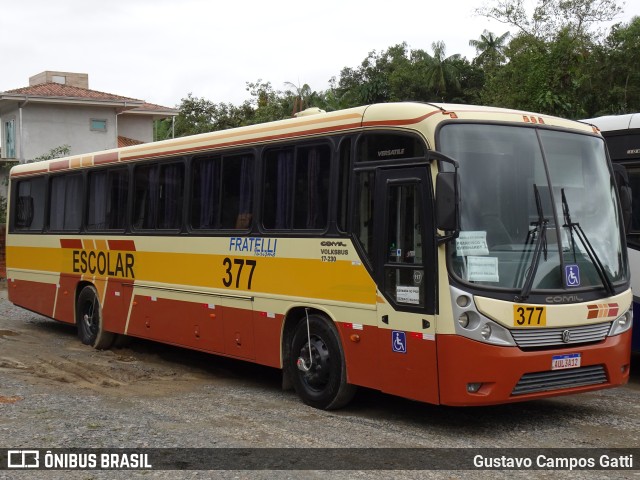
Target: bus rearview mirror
(447,202)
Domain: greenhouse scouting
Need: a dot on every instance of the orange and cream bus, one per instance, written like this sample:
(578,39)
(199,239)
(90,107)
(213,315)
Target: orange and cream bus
(450,254)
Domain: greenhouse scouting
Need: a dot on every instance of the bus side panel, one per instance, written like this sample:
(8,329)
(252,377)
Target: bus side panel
(177,322)
(66,301)
(36,296)
(413,373)
(115,305)
(361,354)
(238,333)
(268,332)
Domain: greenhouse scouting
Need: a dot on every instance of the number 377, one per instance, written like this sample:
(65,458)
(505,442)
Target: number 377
(237,272)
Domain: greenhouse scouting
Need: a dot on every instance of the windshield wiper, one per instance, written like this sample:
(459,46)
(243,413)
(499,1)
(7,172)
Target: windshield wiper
(540,231)
(593,256)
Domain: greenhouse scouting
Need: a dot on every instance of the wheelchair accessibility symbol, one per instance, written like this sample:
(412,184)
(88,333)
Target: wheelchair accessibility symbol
(572,275)
(399,341)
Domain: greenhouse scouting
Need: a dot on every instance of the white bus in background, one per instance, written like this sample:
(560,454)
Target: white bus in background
(622,134)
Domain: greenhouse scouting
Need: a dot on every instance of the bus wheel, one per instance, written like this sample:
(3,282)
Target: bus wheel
(89,320)
(317,365)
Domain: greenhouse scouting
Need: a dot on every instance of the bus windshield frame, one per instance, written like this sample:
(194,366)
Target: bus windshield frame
(527,244)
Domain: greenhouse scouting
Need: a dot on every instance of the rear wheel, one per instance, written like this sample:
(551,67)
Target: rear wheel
(317,366)
(89,320)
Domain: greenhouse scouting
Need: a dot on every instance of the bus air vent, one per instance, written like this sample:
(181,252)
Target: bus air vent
(558,379)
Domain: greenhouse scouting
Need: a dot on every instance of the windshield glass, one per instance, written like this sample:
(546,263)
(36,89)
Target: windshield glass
(512,181)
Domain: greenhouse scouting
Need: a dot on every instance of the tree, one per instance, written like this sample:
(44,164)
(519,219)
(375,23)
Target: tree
(615,71)
(56,152)
(490,50)
(551,16)
(443,72)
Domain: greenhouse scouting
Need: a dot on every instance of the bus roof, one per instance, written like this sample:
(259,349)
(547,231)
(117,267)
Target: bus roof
(389,115)
(609,123)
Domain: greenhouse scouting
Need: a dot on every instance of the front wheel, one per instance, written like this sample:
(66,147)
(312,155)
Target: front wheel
(317,365)
(89,320)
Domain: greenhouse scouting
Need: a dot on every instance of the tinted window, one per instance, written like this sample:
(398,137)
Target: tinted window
(296,190)
(107,200)
(222,192)
(388,146)
(65,202)
(29,204)
(158,197)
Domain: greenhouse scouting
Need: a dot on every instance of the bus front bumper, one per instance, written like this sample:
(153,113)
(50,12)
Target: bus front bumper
(475,373)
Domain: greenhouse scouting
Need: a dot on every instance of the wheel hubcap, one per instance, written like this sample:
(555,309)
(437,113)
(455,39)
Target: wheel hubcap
(313,363)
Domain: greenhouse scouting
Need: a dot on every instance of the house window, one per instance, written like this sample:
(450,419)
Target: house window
(98,125)
(10,138)
(61,79)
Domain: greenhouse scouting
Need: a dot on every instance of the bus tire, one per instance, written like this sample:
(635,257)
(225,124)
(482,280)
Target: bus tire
(89,320)
(319,373)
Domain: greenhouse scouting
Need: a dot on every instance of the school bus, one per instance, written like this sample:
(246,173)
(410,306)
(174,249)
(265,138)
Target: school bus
(450,254)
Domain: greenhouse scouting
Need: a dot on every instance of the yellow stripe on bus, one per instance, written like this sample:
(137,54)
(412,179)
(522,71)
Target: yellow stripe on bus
(310,278)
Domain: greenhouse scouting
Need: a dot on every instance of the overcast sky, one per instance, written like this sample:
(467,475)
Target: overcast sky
(161,50)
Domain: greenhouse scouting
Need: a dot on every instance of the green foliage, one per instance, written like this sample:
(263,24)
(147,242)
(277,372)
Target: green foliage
(562,64)
(57,152)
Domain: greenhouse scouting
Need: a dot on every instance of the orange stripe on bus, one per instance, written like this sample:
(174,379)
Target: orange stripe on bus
(122,245)
(204,148)
(101,245)
(408,121)
(110,157)
(59,165)
(71,243)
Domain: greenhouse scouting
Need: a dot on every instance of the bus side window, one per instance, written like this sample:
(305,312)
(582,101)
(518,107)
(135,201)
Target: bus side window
(222,192)
(344,166)
(296,188)
(634,183)
(237,192)
(107,199)
(65,202)
(158,197)
(363,222)
(29,212)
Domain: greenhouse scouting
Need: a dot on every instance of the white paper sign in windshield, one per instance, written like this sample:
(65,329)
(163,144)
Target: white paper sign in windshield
(472,243)
(482,269)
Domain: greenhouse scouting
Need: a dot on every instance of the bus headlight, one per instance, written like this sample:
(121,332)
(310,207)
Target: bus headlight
(463,320)
(486,331)
(470,323)
(622,323)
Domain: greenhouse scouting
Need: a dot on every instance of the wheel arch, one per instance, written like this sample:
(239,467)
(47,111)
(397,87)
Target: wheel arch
(294,315)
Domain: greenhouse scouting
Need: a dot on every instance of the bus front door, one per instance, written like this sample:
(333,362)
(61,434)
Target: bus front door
(405,273)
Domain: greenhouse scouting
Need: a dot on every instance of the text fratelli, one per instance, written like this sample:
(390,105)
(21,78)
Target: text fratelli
(260,247)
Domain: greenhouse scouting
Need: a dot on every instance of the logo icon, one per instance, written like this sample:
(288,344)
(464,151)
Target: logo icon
(566,336)
(23,459)
(399,341)
(572,275)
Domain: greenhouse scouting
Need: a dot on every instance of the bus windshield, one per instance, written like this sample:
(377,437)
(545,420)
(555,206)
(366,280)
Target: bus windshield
(538,209)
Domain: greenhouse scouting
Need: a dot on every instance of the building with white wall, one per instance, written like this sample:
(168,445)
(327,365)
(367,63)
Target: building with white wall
(58,109)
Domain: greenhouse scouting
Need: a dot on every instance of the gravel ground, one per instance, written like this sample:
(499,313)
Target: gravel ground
(57,393)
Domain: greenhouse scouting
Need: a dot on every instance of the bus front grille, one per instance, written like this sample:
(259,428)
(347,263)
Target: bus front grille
(558,379)
(549,337)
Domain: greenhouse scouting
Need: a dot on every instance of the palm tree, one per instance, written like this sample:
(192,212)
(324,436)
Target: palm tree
(442,72)
(490,49)
(301,96)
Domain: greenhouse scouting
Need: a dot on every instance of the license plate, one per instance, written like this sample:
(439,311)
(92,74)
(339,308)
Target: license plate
(529,316)
(570,360)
